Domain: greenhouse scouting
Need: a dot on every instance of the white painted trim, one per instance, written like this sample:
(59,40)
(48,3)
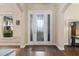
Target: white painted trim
(66,43)
(29,28)
(48,44)
(66,6)
(51,30)
(22,46)
(60,48)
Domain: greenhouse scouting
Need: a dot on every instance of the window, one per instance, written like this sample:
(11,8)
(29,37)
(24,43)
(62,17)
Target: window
(7,26)
(40,22)
(31,34)
(48,27)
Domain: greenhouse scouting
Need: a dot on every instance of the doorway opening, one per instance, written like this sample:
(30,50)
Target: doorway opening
(74,33)
(40,27)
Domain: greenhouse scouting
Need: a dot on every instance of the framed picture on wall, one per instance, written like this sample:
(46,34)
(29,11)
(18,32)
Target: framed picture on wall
(17,22)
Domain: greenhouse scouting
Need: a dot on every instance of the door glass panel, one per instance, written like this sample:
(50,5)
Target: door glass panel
(48,27)
(31,34)
(40,27)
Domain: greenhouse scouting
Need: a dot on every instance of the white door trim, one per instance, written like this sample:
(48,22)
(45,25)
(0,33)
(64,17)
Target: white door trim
(51,31)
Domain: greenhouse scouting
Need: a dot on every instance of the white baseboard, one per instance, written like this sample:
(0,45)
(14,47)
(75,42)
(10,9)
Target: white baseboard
(66,44)
(22,46)
(60,48)
(44,44)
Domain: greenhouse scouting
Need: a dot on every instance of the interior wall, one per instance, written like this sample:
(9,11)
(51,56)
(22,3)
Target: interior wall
(17,29)
(71,15)
(21,31)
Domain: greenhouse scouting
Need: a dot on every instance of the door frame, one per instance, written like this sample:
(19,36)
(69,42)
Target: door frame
(51,30)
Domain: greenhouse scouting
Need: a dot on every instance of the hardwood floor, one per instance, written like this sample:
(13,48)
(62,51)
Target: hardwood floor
(39,51)
(44,51)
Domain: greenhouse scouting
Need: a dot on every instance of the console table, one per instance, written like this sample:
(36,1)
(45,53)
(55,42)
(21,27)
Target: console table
(74,40)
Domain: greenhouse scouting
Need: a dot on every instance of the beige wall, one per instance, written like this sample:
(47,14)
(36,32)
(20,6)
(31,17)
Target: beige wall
(18,29)
(71,14)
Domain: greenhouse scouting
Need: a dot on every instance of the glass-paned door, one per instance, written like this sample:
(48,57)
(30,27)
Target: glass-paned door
(40,28)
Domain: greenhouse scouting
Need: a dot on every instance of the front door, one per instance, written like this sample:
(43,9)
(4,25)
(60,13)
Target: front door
(40,28)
